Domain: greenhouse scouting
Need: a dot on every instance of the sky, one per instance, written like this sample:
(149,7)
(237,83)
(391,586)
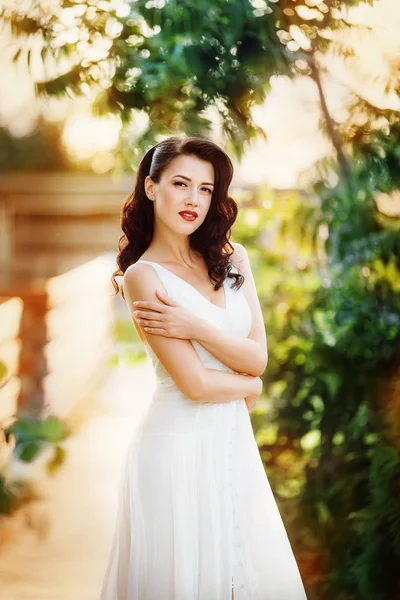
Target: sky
(290,115)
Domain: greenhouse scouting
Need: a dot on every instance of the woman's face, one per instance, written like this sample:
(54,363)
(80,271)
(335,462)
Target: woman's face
(186,184)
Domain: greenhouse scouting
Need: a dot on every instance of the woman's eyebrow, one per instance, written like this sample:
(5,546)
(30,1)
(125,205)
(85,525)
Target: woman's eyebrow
(188,179)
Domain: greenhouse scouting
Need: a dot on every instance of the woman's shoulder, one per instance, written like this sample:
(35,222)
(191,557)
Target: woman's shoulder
(140,275)
(238,255)
(136,269)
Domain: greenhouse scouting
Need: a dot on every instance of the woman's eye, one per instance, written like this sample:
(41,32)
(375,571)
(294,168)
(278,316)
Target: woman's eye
(179,183)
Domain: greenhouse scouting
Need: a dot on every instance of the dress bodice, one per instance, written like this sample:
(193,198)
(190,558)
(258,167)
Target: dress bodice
(235,318)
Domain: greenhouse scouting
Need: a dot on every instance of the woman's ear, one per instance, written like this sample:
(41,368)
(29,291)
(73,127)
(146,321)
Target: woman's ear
(149,187)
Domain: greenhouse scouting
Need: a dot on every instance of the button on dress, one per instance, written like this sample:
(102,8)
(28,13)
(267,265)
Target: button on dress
(197,519)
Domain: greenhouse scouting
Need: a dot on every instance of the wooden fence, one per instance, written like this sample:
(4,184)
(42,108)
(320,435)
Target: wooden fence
(57,229)
(10,346)
(52,222)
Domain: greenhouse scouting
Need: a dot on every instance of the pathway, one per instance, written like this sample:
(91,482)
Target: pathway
(63,554)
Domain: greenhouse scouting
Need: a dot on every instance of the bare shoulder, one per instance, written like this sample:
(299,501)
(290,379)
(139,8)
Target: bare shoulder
(135,270)
(140,278)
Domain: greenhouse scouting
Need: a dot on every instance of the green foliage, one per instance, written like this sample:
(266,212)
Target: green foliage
(376,528)
(10,495)
(3,373)
(175,59)
(41,150)
(32,435)
(330,434)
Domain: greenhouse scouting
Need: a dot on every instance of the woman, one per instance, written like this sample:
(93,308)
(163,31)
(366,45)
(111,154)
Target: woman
(197,519)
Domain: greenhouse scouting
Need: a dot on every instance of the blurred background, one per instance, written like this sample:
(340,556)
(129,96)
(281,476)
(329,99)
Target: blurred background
(304,95)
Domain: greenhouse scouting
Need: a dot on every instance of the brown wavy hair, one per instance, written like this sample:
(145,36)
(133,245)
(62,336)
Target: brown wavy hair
(211,239)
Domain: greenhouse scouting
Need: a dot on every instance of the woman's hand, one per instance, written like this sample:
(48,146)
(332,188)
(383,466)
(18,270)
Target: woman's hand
(251,400)
(169,319)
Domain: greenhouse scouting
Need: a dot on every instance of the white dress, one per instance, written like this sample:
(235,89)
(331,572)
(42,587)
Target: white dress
(197,519)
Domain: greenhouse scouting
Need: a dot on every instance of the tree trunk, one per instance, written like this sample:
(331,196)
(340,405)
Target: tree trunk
(330,125)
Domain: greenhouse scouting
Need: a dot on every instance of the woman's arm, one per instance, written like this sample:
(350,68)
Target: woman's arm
(178,356)
(246,355)
(239,354)
(220,386)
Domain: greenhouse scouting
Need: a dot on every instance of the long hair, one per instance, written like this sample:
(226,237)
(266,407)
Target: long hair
(211,239)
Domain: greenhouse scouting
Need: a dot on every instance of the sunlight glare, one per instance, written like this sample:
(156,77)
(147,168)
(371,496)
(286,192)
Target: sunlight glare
(85,135)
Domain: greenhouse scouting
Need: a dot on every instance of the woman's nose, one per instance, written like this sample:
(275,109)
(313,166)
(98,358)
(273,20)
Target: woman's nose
(193,197)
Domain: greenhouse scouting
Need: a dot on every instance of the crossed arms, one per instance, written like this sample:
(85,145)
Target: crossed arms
(247,356)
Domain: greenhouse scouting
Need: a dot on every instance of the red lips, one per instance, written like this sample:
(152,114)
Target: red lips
(192,213)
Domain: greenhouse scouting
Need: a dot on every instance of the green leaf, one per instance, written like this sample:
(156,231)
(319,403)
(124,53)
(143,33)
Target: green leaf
(28,451)
(3,371)
(53,430)
(57,460)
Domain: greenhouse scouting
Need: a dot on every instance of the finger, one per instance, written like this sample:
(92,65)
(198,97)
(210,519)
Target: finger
(155,324)
(149,322)
(146,305)
(147,315)
(155,331)
(165,298)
